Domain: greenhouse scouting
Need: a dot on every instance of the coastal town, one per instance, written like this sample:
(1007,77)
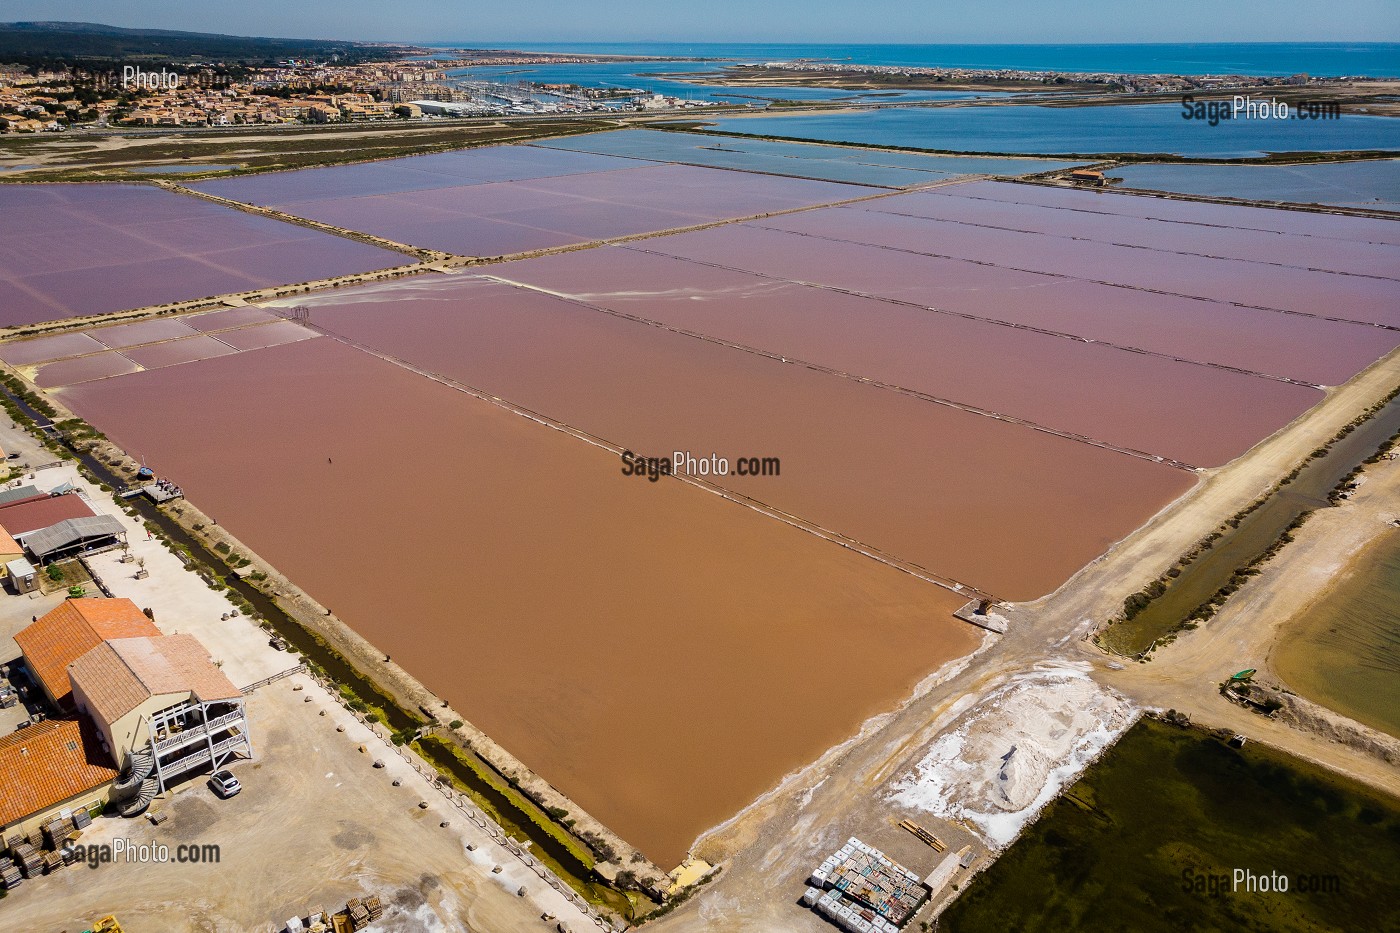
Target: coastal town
(57,99)
(956,77)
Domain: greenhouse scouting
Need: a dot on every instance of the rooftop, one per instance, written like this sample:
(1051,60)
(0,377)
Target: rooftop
(8,544)
(70,531)
(48,763)
(119,675)
(29,515)
(71,630)
(20,494)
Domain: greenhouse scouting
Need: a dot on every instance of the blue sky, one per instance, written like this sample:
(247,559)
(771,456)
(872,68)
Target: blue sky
(747,20)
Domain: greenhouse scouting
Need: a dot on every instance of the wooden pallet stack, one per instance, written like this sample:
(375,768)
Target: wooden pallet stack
(359,913)
(9,872)
(29,860)
(82,819)
(56,833)
(923,835)
(53,861)
(375,908)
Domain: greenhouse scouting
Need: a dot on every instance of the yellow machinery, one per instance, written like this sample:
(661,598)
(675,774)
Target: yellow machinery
(108,924)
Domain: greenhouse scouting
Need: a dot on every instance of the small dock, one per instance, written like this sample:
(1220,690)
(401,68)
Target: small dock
(158,492)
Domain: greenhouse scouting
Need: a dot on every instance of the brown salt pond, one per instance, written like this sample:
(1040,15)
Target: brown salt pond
(1006,508)
(1289,345)
(661,655)
(1155,404)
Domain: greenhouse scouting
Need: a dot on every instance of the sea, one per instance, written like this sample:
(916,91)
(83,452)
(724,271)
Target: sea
(1276,59)
(1151,128)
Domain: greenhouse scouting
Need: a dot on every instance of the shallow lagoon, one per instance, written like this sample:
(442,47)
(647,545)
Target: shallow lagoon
(1113,853)
(1154,128)
(1345,650)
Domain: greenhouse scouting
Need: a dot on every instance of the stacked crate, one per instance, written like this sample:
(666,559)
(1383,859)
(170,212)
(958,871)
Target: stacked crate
(359,913)
(9,873)
(28,859)
(375,908)
(56,833)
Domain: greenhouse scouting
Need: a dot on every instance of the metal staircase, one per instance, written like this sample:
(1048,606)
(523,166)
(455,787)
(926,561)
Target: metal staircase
(138,768)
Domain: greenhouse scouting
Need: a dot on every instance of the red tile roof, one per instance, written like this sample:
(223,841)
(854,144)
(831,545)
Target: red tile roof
(71,630)
(8,544)
(119,675)
(48,763)
(21,518)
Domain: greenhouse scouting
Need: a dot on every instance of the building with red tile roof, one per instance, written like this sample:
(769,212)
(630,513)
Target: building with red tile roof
(53,765)
(68,631)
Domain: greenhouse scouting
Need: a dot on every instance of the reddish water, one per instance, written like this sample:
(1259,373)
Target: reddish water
(1306,348)
(83,369)
(171,352)
(1288,249)
(40,349)
(502,217)
(68,250)
(1003,507)
(1189,213)
(1155,405)
(130,335)
(264,335)
(658,653)
(229,317)
(1286,288)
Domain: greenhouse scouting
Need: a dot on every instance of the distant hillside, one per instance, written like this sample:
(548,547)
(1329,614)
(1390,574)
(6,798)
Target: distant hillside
(41,42)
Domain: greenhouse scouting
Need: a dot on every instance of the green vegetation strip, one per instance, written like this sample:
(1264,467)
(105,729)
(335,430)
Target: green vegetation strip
(1151,836)
(440,753)
(1194,588)
(506,804)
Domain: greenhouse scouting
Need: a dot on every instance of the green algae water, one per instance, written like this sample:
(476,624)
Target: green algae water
(1345,650)
(1253,536)
(1135,843)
